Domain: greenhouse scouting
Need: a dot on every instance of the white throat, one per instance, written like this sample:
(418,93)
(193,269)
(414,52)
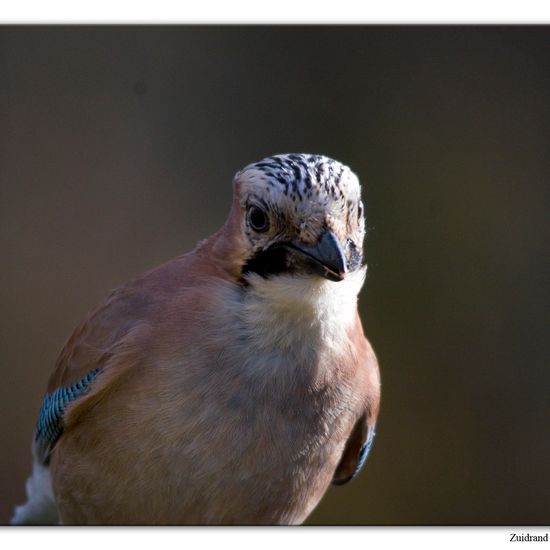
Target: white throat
(284,311)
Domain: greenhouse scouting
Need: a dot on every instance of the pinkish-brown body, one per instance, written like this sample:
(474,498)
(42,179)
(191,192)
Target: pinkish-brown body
(217,401)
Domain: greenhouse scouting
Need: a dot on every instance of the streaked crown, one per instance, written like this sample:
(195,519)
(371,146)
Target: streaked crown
(308,191)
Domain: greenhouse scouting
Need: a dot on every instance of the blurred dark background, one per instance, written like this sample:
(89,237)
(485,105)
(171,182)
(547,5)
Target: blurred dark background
(117,150)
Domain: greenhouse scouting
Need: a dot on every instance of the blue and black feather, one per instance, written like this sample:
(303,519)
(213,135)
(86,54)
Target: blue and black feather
(50,419)
(365,449)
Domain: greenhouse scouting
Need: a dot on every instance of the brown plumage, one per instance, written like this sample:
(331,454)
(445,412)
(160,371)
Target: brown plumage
(230,385)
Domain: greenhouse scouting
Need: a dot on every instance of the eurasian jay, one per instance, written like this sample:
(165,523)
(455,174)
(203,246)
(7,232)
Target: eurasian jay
(230,385)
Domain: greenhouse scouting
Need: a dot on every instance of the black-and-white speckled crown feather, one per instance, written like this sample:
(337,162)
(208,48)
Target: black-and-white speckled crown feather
(311,186)
(301,175)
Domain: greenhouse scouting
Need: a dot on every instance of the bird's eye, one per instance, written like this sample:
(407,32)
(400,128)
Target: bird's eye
(258,219)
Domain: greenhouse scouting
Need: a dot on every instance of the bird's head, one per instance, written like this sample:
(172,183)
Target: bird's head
(298,214)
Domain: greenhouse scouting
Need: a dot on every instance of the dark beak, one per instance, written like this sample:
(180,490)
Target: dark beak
(326,257)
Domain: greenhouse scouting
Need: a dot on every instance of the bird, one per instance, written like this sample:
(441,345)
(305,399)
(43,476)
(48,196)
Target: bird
(231,385)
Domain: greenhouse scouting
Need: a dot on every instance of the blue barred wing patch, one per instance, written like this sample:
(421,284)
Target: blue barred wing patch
(365,449)
(49,425)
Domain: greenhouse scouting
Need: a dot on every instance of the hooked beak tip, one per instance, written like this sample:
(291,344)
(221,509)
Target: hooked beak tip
(327,256)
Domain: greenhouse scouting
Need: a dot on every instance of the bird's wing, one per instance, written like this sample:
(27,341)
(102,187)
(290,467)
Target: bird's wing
(356,452)
(98,353)
(361,438)
(111,342)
